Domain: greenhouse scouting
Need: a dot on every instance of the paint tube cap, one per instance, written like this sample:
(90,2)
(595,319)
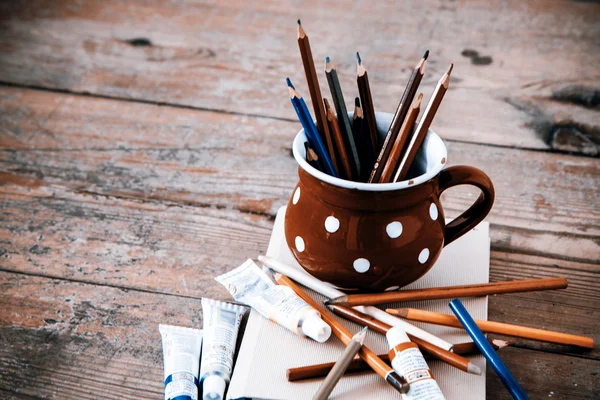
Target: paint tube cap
(396,335)
(315,328)
(213,388)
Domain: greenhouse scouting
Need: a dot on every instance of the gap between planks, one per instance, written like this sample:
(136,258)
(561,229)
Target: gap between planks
(220,111)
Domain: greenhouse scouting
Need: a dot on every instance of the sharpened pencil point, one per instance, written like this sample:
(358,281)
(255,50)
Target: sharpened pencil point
(473,369)
(357,102)
(360,336)
(299,22)
(450,69)
(289,83)
(358,60)
(327,60)
(426,55)
(401,312)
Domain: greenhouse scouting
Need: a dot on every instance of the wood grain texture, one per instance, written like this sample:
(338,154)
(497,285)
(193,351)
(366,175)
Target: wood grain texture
(61,339)
(197,54)
(121,203)
(161,153)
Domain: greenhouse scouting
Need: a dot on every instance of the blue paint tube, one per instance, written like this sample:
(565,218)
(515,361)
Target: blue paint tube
(221,322)
(181,355)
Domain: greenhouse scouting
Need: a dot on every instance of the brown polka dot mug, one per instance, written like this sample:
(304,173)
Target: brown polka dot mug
(378,237)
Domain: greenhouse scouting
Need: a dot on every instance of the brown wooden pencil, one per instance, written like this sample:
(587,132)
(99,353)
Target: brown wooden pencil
(401,139)
(346,169)
(495,327)
(417,139)
(448,357)
(450,292)
(364,90)
(358,365)
(315,93)
(380,367)
(398,120)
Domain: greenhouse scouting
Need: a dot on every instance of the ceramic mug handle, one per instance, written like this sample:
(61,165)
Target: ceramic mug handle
(465,175)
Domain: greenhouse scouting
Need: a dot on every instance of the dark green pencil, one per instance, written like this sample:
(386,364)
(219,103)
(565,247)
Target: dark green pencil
(343,120)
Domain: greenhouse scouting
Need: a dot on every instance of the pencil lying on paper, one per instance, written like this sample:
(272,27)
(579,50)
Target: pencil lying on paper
(449,292)
(315,92)
(327,290)
(424,124)
(338,369)
(448,357)
(400,142)
(488,352)
(398,120)
(364,90)
(495,327)
(381,368)
(345,170)
(358,365)
(342,116)
(310,130)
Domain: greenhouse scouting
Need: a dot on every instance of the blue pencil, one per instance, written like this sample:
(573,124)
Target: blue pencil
(487,350)
(310,130)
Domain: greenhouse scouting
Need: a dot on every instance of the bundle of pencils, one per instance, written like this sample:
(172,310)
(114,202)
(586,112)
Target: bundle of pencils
(351,148)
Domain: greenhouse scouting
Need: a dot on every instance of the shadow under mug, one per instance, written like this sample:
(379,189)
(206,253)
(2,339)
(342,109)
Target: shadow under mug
(378,237)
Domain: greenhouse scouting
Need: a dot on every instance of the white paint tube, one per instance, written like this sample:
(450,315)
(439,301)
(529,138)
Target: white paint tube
(408,362)
(327,290)
(221,322)
(181,355)
(250,285)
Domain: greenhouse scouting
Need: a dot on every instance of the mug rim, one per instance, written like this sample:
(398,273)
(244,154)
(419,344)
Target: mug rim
(431,138)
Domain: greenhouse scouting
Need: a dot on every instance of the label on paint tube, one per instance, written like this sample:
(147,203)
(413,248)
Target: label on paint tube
(407,360)
(221,324)
(250,285)
(181,354)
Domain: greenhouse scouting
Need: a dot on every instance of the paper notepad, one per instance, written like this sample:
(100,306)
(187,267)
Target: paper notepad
(268,350)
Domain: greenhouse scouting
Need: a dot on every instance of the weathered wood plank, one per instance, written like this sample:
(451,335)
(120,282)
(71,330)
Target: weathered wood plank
(61,339)
(234,56)
(545,203)
(70,340)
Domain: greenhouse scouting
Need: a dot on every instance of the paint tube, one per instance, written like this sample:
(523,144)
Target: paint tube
(408,362)
(221,322)
(181,355)
(250,285)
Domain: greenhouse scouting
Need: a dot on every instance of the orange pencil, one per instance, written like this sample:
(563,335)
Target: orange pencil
(495,327)
(380,367)
(401,140)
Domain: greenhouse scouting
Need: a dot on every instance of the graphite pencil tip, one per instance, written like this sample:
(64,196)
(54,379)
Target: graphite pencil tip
(473,369)
(426,55)
(357,102)
(299,22)
(327,60)
(360,336)
(289,83)
(358,60)
(450,68)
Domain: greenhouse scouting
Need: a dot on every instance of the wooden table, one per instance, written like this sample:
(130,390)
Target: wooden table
(145,148)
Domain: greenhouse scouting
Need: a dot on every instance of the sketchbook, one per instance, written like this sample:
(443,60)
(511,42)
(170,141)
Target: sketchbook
(267,350)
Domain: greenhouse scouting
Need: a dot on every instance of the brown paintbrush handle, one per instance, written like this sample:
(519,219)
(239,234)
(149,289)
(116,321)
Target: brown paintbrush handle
(380,367)
(358,365)
(365,320)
